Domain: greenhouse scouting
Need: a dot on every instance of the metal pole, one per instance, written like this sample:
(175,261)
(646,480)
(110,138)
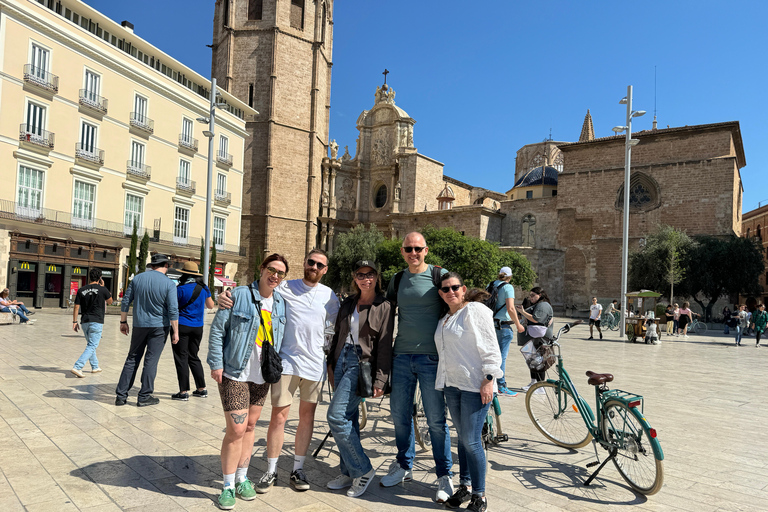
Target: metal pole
(211,125)
(625,234)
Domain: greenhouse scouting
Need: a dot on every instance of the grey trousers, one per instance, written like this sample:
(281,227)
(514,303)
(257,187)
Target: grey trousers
(151,340)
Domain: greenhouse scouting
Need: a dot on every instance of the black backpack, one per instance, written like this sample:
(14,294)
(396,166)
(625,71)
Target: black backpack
(491,301)
(436,280)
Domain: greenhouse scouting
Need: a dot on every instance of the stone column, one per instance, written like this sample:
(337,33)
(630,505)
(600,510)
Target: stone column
(335,166)
(331,231)
(357,201)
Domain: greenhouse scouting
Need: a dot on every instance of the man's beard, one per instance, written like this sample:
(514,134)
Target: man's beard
(312,275)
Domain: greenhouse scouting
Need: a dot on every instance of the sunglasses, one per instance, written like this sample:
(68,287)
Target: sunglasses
(416,249)
(313,263)
(279,273)
(452,288)
(369,275)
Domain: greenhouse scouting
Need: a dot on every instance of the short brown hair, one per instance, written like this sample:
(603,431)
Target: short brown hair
(316,251)
(274,257)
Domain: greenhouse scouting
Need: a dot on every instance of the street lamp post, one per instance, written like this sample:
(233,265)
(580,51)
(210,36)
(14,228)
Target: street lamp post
(625,235)
(211,121)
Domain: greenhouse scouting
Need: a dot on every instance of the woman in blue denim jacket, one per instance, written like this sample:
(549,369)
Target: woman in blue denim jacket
(234,355)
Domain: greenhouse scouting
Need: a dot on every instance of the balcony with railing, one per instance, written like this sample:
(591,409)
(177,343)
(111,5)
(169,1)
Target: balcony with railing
(222,197)
(35,137)
(142,122)
(89,154)
(93,101)
(138,170)
(188,143)
(224,158)
(185,186)
(40,78)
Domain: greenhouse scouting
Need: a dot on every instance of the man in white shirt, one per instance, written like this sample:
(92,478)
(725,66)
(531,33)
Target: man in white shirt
(595,310)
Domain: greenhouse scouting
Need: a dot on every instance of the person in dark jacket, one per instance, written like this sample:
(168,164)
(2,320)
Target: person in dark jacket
(363,333)
(539,314)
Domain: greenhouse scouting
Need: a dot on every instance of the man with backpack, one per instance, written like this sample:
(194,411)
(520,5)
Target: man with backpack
(419,308)
(502,302)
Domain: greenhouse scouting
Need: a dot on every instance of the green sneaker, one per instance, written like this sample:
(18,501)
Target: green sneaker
(245,490)
(227,499)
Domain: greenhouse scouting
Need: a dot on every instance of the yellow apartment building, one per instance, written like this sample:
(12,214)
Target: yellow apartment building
(98,132)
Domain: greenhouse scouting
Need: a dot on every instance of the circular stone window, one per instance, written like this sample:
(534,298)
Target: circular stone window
(380,198)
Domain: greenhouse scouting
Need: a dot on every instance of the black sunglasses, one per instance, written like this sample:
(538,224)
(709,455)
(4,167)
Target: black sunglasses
(417,249)
(367,275)
(453,287)
(313,263)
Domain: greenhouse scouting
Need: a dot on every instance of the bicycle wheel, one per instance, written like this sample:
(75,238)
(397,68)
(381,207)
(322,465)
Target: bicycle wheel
(614,324)
(700,328)
(363,414)
(420,427)
(626,430)
(559,420)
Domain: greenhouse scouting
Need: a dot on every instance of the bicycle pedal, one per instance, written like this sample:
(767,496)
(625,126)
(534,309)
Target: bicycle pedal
(593,464)
(503,438)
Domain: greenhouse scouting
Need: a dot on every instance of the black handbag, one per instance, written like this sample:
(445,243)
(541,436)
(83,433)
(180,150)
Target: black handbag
(365,370)
(271,364)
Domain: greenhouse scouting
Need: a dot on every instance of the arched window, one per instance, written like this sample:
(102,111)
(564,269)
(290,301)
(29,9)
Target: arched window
(529,231)
(643,194)
(381,196)
(559,162)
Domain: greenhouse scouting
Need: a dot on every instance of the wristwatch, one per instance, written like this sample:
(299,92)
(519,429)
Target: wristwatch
(123,322)
(489,377)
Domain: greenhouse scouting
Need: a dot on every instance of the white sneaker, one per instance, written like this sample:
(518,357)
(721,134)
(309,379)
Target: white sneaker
(340,482)
(686,336)
(533,381)
(396,475)
(444,489)
(539,391)
(360,484)
(30,322)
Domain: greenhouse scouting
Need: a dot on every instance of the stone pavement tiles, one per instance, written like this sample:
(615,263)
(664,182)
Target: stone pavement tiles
(65,446)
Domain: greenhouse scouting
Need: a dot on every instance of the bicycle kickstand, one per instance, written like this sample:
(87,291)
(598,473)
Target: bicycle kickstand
(614,451)
(329,434)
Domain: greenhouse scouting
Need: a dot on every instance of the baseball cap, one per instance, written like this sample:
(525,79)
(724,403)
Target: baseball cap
(506,271)
(366,263)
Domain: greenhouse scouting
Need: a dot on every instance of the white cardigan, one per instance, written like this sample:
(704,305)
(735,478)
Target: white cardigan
(468,349)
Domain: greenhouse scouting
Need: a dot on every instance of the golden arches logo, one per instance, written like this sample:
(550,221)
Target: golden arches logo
(51,268)
(24,265)
(77,270)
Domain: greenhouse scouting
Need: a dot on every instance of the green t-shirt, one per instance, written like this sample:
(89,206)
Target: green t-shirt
(418,311)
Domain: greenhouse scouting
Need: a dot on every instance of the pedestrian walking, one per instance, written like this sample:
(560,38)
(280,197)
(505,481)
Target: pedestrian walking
(194,298)
(238,335)
(742,323)
(362,342)
(539,315)
(676,319)
(467,371)
(595,310)
(759,322)
(155,311)
(685,318)
(504,318)
(91,300)
(669,314)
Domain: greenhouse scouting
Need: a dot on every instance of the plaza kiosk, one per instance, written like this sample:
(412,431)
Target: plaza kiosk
(644,302)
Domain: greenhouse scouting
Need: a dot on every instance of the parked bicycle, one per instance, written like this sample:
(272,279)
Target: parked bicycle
(697,326)
(619,427)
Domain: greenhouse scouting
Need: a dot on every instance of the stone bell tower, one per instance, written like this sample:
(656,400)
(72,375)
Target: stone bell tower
(276,56)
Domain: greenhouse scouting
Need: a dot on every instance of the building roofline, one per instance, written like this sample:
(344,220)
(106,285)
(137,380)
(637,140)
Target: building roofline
(754,213)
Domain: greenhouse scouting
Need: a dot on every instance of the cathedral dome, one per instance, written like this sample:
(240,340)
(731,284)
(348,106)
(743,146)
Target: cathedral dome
(543,175)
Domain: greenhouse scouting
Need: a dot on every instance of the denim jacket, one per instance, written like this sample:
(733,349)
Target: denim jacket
(234,330)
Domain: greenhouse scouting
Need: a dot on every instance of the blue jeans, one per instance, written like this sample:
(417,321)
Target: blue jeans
(504,337)
(343,414)
(19,311)
(407,369)
(739,332)
(92,332)
(468,413)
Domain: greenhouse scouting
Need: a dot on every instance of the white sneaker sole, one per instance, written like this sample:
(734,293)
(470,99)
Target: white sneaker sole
(338,487)
(352,493)
(407,478)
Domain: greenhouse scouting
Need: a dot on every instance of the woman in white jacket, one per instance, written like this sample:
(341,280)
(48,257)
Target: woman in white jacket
(470,363)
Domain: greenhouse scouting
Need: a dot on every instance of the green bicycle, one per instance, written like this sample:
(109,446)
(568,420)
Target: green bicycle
(610,321)
(558,411)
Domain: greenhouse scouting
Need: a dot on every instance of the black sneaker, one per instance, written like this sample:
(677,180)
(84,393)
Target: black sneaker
(590,338)
(266,481)
(120,401)
(601,335)
(299,480)
(150,400)
(200,394)
(478,504)
(461,496)
(31,313)
(180,396)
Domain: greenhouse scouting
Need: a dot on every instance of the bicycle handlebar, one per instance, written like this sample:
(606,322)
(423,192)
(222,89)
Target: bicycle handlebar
(564,329)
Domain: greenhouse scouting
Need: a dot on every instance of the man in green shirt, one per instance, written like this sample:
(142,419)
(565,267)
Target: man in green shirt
(415,360)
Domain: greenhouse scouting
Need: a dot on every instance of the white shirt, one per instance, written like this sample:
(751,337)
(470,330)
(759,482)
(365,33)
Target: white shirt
(354,328)
(468,349)
(310,310)
(594,311)
(651,331)
(252,370)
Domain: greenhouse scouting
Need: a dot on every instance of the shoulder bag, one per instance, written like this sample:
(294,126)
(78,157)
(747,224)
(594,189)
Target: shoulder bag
(365,368)
(271,364)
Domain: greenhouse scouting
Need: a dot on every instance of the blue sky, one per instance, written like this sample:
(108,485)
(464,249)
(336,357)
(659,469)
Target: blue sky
(484,78)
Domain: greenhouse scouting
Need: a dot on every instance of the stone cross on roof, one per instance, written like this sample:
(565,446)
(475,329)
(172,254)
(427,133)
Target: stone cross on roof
(587,130)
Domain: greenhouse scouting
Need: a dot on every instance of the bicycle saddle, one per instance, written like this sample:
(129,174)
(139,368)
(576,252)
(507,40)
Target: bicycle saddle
(596,379)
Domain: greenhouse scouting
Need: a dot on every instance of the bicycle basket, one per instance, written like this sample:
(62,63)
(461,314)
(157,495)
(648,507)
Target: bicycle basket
(538,359)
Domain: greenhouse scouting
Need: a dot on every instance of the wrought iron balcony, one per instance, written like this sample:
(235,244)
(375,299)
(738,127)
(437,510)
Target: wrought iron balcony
(185,185)
(223,158)
(187,142)
(142,122)
(93,101)
(222,196)
(39,77)
(89,153)
(35,136)
(139,170)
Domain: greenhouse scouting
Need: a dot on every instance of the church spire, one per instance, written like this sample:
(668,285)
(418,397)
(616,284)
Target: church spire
(587,130)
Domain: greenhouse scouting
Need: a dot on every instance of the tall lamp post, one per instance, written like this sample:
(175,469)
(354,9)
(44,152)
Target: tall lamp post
(627,100)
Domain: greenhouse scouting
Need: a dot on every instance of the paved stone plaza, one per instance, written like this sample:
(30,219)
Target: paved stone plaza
(65,446)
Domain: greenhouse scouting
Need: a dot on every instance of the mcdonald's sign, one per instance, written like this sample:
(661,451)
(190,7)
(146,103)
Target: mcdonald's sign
(52,268)
(78,271)
(26,266)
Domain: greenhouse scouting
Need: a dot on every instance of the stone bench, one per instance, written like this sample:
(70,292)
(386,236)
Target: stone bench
(6,318)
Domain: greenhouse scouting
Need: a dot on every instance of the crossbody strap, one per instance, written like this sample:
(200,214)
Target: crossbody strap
(195,295)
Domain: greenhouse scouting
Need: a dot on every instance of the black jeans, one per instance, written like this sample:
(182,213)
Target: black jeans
(757,337)
(185,357)
(151,340)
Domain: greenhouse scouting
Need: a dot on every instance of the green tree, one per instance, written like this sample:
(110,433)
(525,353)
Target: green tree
(132,253)
(360,243)
(659,265)
(143,253)
(212,266)
(718,266)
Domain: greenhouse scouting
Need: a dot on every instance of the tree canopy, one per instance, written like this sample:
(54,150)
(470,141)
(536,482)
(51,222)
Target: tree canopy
(360,243)
(658,266)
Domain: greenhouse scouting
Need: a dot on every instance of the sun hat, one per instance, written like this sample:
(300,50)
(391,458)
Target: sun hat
(190,268)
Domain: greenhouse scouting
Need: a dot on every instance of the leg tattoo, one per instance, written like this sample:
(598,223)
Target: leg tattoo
(239,418)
